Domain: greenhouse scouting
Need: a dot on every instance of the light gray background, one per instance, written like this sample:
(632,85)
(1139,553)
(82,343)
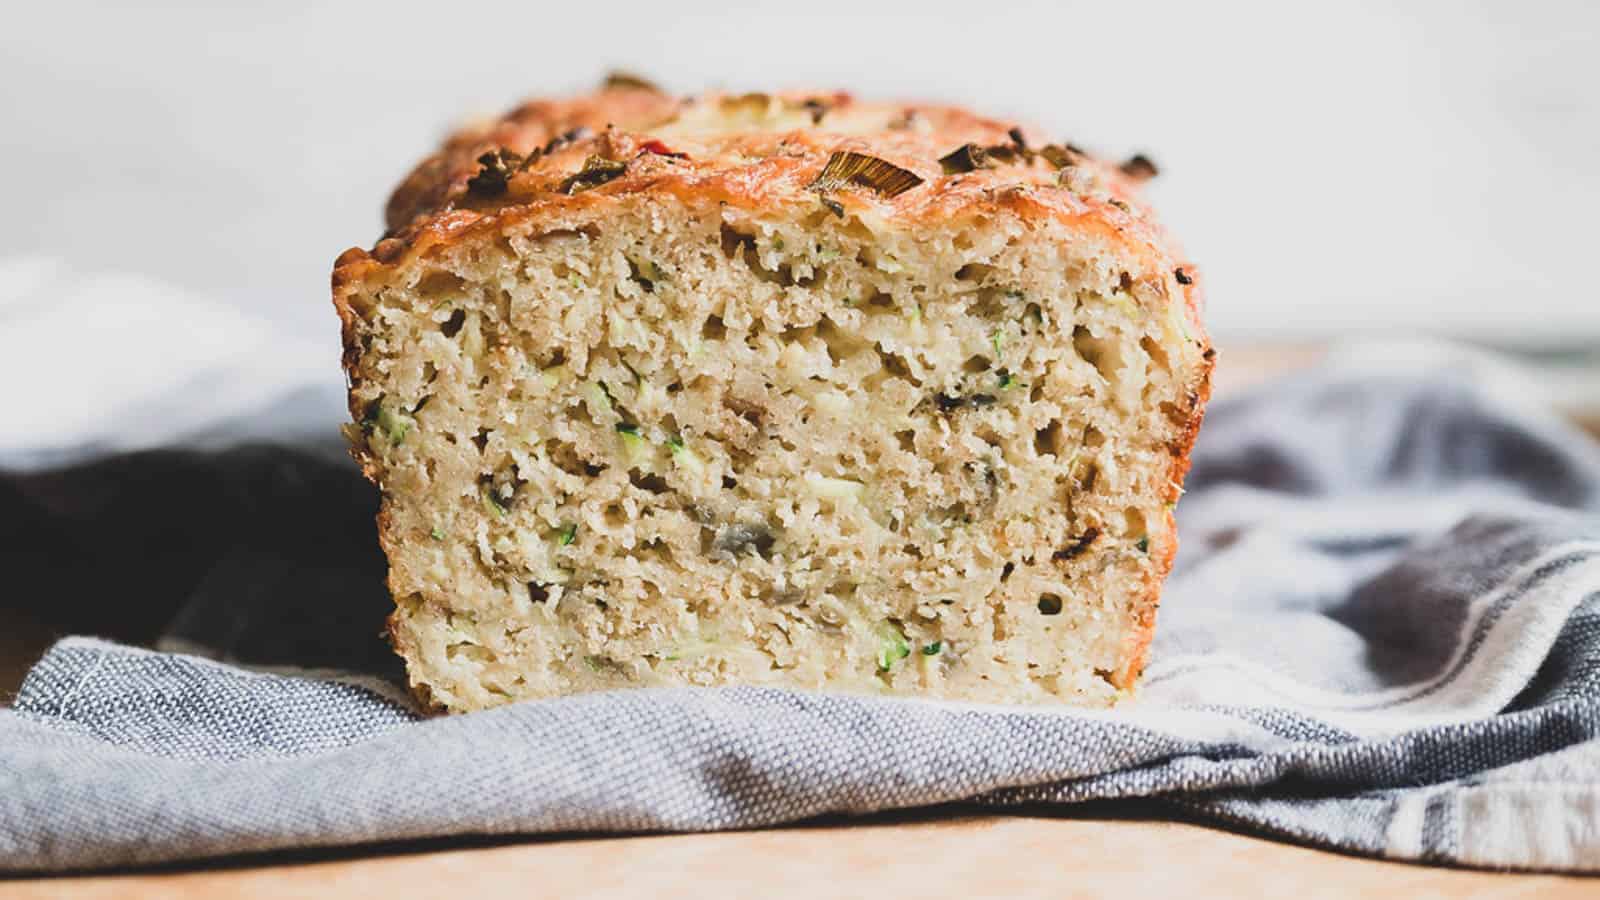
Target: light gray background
(1335,167)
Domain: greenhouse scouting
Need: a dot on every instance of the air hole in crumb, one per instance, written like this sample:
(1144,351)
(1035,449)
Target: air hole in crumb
(429,372)
(481,439)
(728,483)
(468,650)
(907,439)
(637,276)
(744,408)
(744,539)
(734,241)
(976,365)
(1125,282)
(881,300)
(739,246)
(1102,353)
(1087,346)
(675,387)
(1091,474)
(649,482)
(1093,437)
(567,236)
(840,346)
(440,286)
(1049,604)
(713,329)
(615,516)
(566,458)
(1048,439)
(895,365)
(452,326)
(974,272)
(1006,570)
(1134,525)
(913,551)
(537,592)
(1158,354)
(499,490)
(1078,545)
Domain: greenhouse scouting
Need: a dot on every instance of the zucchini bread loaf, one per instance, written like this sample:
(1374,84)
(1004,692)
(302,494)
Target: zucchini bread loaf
(787,389)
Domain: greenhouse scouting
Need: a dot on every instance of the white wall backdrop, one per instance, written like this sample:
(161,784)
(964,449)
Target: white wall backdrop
(1338,167)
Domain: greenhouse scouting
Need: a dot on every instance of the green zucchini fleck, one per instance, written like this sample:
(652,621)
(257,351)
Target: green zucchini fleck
(633,443)
(932,649)
(394,424)
(490,500)
(893,646)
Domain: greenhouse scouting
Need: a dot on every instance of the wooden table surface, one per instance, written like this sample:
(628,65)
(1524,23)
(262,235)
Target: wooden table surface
(1086,854)
(1105,849)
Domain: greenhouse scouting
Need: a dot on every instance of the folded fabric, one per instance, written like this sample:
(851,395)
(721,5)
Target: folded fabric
(1383,636)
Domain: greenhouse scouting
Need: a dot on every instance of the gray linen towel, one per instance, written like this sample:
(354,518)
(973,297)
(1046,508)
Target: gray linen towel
(1383,636)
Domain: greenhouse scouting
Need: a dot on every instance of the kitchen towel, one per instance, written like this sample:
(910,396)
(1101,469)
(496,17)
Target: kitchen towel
(1382,636)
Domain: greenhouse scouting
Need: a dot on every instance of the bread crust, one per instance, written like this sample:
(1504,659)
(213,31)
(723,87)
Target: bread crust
(752,169)
(761,152)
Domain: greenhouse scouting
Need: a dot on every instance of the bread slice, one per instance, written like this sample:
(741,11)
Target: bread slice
(784,389)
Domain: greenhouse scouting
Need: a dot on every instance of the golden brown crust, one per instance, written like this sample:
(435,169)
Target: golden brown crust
(755,151)
(1144,632)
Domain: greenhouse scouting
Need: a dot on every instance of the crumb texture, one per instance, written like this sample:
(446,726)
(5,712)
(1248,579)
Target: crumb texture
(664,432)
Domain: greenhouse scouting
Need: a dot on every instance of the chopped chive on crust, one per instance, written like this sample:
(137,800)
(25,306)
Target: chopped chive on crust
(754,390)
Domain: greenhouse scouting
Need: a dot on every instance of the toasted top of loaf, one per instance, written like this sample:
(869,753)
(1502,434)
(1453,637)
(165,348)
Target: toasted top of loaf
(901,164)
